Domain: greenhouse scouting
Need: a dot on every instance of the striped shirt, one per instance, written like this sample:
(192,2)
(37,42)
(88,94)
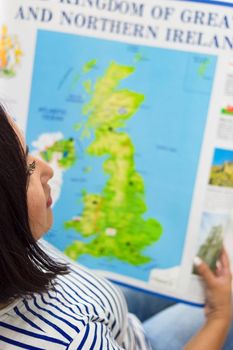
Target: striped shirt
(82,311)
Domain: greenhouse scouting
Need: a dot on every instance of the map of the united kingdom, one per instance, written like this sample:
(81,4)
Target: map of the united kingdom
(113,120)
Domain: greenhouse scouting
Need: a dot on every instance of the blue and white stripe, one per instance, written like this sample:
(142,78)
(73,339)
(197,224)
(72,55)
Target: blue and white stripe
(80,312)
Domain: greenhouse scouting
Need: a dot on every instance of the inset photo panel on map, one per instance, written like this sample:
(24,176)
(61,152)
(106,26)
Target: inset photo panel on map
(221,173)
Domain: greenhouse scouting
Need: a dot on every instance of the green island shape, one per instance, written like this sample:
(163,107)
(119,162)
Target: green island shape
(203,67)
(114,219)
(66,149)
(87,86)
(89,66)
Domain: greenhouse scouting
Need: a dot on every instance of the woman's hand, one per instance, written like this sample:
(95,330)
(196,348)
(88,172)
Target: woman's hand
(218,307)
(218,289)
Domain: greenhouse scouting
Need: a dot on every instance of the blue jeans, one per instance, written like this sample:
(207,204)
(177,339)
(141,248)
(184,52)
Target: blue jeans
(168,326)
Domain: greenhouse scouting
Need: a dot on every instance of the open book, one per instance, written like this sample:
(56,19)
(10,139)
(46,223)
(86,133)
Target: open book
(131,103)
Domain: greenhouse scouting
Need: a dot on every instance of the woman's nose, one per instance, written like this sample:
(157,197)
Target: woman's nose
(51,172)
(46,171)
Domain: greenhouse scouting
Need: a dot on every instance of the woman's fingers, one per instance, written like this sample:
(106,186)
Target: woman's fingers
(225,263)
(204,271)
(224,259)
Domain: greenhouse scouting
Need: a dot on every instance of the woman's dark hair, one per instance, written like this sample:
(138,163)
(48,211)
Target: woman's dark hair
(24,266)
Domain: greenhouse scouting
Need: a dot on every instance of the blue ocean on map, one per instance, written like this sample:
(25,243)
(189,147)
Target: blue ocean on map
(166,131)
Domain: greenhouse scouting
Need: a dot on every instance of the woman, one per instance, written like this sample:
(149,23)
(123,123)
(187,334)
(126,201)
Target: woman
(46,304)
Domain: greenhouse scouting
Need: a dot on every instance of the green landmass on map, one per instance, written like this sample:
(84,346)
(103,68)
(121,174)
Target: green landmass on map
(203,67)
(89,66)
(114,219)
(87,86)
(222,175)
(66,150)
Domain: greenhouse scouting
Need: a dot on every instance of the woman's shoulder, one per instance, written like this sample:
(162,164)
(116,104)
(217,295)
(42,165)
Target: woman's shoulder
(80,308)
(93,296)
(82,281)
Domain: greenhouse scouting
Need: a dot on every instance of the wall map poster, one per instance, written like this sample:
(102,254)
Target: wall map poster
(131,105)
(119,134)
